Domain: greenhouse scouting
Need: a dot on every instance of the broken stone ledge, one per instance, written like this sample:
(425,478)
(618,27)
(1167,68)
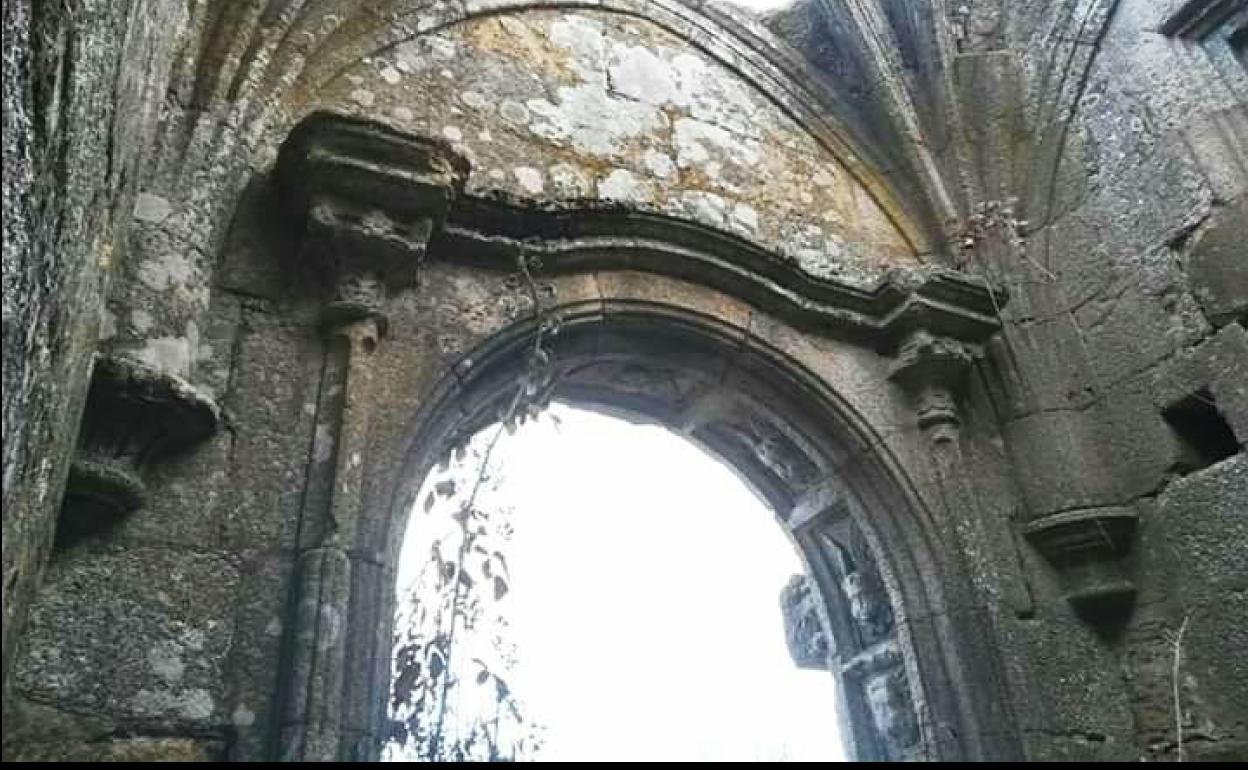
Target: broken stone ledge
(134,415)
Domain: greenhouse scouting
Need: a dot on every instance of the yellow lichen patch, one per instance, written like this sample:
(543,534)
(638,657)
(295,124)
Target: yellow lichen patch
(514,39)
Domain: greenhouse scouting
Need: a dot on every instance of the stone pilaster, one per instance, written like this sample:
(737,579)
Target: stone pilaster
(368,200)
(933,368)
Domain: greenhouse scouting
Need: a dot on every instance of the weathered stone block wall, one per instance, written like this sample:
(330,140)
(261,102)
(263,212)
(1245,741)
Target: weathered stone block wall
(83,83)
(1114,316)
(1109,140)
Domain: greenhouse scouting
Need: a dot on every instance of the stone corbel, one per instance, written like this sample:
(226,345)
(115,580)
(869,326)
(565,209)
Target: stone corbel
(134,416)
(368,199)
(933,368)
(934,334)
(1088,547)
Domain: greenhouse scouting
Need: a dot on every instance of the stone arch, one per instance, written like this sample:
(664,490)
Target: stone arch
(729,419)
(663,318)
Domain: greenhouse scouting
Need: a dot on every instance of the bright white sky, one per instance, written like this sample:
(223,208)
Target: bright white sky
(645,601)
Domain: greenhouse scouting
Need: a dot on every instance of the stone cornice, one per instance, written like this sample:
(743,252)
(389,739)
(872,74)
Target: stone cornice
(367,199)
(583,236)
(373,202)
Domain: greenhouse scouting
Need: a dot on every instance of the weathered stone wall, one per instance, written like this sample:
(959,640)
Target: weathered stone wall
(1084,155)
(1115,315)
(1111,142)
(553,105)
(83,82)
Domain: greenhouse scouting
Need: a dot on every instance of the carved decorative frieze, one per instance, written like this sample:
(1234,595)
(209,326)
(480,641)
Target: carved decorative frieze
(1088,547)
(134,416)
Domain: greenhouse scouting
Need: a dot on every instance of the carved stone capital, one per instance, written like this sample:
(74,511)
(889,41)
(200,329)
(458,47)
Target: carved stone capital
(134,416)
(932,368)
(1087,547)
(368,199)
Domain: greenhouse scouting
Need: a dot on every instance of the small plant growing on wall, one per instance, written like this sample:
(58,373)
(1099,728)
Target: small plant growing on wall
(451,699)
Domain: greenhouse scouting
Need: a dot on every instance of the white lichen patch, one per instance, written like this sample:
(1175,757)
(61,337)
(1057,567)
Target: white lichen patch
(659,163)
(699,145)
(391,75)
(193,704)
(641,74)
(703,207)
(514,112)
(167,271)
(624,186)
(243,716)
(570,182)
(583,38)
(166,354)
(165,660)
(745,218)
(152,209)
(592,121)
(530,179)
(474,100)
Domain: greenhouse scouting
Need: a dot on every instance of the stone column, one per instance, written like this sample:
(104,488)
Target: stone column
(370,199)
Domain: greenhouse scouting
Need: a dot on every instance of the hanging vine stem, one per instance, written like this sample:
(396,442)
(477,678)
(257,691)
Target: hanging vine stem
(1178,686)
(533,392)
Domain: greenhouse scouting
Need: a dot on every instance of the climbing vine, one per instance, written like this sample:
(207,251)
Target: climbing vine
(451,699)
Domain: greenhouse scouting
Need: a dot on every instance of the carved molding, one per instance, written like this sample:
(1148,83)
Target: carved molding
(1088,547)
(134,416)
(592,235)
